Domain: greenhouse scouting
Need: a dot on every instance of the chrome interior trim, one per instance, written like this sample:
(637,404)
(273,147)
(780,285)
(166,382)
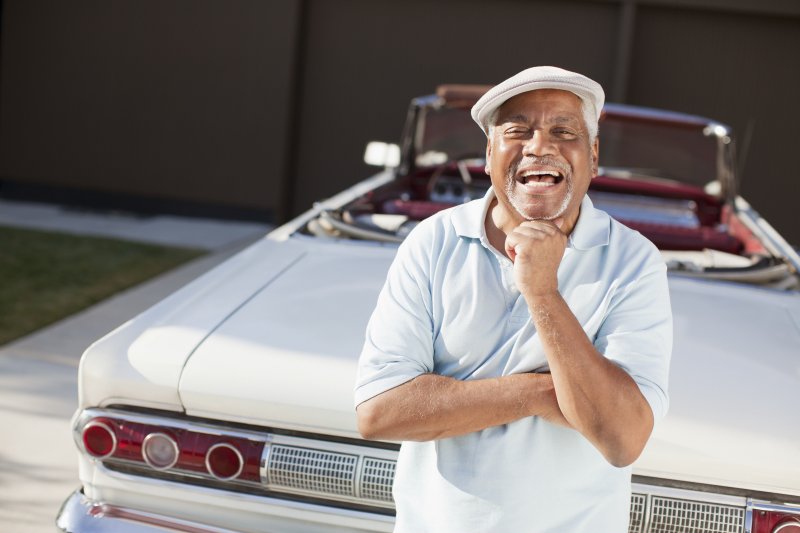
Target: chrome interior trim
(640,208)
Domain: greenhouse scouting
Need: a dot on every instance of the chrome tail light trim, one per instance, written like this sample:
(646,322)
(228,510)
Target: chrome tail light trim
(359,476)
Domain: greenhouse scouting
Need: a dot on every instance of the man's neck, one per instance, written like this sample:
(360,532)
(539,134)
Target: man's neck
(498,224)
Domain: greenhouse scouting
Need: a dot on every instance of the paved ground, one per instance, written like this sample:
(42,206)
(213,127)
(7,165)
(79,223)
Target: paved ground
(38,386)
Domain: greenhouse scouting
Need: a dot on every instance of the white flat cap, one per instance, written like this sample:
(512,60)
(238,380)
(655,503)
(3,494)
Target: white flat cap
(536,78)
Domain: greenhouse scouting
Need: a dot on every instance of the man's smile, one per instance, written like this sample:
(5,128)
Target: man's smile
(539,181)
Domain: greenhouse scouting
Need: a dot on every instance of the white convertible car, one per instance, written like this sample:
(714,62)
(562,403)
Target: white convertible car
(228,406)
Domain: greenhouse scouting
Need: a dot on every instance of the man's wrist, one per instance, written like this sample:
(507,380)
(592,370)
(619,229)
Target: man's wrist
(541,296)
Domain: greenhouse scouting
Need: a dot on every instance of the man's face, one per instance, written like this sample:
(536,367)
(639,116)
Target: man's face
(539,157)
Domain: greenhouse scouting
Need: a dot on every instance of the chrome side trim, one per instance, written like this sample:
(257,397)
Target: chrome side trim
(771,239)
(79,514)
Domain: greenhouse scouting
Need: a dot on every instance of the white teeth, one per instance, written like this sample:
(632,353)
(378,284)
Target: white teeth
(540,173)
(542,177)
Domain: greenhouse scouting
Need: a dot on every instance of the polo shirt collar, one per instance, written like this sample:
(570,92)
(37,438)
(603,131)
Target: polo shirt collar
(592,229)
(468,220)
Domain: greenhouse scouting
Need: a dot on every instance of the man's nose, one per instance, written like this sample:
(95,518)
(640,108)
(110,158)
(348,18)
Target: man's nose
(539,144)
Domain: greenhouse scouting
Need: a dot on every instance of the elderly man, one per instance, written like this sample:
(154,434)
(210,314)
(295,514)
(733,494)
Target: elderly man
(520,347)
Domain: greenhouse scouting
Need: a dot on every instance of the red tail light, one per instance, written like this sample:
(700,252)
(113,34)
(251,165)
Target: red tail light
(788,526)
(774,521)
(99,439)
(178,448)
(224,461)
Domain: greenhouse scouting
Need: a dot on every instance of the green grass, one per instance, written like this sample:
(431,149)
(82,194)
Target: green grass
(47,276)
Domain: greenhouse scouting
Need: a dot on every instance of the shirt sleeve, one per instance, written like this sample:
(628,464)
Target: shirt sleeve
(637,335)
(399,337)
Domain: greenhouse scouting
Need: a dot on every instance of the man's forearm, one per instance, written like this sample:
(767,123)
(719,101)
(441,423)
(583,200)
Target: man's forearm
(431,406)
(597,397)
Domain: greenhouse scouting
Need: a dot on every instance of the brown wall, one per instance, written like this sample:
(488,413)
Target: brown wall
(738,69)
(176,98)
(268,104)
(369,58)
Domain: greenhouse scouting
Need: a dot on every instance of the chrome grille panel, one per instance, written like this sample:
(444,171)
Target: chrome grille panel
(669,515)
(330,470)
(312,470)
(638,509)
(377,476)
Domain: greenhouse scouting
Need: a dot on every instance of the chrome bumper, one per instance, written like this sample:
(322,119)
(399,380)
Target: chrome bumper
(80,515)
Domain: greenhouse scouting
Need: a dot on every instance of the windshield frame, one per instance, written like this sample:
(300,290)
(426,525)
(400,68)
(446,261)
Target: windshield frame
(719,134)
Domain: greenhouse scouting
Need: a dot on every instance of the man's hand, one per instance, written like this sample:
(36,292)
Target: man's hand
(536,247)
(594,396)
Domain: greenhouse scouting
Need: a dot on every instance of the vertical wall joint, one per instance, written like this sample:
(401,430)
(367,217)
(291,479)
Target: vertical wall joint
(625,37)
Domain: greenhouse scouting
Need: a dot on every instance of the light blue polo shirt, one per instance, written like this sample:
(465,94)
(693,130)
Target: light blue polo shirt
(450,306)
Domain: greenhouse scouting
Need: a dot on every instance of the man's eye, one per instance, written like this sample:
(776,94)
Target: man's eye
(516,132)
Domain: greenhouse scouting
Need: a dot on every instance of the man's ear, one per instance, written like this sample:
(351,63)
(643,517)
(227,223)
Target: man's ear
(488,156)
(595,155)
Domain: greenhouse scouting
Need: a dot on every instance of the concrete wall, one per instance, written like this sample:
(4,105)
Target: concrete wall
(268,105)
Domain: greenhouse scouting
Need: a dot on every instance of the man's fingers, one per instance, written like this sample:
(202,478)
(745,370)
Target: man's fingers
(529,235)
(511,242)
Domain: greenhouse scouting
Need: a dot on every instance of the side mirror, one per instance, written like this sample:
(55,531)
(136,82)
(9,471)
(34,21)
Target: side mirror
(381,154)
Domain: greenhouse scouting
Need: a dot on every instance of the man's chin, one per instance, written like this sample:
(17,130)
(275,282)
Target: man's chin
(538,214)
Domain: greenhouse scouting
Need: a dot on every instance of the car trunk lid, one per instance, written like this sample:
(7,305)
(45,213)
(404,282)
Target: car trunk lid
(287,357)
(735,364)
